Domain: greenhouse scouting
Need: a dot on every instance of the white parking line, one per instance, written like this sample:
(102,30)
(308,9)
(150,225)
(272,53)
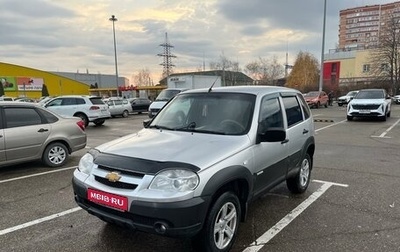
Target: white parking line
(387,131)
(34,222)
(37,174)
(331,125)
(267,236)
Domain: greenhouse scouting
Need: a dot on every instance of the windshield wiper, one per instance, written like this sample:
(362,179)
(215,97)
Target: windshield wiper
(190,126)
(160,127)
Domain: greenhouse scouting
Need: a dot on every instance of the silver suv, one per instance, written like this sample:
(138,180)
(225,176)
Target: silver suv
(195,167)
(88,108)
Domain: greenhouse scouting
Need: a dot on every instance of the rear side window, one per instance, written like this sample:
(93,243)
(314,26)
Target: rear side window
(293,110)
(17,117)
(305,107)
(50,118)
(97,101)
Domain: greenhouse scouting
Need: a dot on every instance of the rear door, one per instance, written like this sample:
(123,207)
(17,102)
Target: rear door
(24,133)
(298,127)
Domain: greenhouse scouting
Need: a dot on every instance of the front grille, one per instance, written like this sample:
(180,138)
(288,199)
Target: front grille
(366,106)
(116,184)
(122,171)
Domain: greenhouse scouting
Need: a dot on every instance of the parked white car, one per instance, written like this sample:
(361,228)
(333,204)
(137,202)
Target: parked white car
(345,99)
(118,106)
(370,103)
(88,108)
(396,99)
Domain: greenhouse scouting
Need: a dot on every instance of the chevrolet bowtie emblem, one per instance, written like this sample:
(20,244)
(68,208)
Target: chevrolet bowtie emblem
(113,176)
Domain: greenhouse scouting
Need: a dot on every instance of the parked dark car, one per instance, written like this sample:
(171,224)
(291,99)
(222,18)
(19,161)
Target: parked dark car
(140,105)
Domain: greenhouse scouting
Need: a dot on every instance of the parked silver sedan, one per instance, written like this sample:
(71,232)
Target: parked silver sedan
(29,132)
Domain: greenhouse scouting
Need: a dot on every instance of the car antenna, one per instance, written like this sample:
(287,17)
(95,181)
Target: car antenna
(209,90)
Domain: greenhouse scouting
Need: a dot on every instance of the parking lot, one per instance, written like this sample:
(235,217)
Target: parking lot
(352,203)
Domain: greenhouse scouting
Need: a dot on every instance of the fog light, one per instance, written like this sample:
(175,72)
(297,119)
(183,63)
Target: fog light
(160,227)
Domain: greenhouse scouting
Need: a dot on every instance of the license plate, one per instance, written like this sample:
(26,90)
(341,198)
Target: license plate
(108,199)
(365,111)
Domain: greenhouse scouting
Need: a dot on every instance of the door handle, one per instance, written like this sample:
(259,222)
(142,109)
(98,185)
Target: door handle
(305,131)
(42,130)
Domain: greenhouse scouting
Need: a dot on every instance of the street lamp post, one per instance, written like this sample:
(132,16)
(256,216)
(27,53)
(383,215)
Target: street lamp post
(113,19)
(321,73)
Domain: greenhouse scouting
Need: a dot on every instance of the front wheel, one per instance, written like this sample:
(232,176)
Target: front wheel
(300,182)
(221,225)
(349,118)
(55,155)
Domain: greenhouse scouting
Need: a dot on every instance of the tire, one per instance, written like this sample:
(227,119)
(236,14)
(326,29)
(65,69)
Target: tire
(55,154)
(99,122)
(388,114)
(340,104)
(83,118)
(220,228)
(317,105)
(349,118)
(125,113)
(299,183)
(326,105)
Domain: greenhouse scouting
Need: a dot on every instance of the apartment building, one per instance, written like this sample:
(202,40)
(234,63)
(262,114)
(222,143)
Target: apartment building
(361,27)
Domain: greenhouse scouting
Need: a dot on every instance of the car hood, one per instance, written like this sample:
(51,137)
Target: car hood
(367,101)
(344,97)
(199,149)
(310,98)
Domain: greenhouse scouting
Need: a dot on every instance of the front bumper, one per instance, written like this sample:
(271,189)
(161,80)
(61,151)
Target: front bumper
(180,219)
(375,110)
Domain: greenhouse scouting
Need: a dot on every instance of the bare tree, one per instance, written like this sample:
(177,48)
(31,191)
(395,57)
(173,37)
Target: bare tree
(143,78)
(384,59)
(229,68)
(265,71)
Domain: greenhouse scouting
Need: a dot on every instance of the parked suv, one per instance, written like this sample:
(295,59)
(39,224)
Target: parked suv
(88,108)
(196,166)
(370,103)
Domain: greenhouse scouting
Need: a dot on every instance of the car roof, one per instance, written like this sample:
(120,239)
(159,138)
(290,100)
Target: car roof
(256,90)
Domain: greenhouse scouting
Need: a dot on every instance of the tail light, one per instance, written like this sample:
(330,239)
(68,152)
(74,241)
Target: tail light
(81,124)
(94,108)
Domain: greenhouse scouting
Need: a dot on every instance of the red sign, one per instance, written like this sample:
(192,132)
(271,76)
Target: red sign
(108,199)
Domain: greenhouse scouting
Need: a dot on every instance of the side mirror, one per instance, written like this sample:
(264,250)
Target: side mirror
(272,135)
(146,123)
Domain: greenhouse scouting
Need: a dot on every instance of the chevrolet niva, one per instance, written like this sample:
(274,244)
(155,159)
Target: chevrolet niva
(196,166)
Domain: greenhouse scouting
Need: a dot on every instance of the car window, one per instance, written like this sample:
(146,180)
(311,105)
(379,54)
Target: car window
(118,102)
(79,101)
(68,101)
(96,100)
(55,102)
(17,117)
(293,110)
(125,102)
(370,94)
(270,114)
(305,107)
(50,118)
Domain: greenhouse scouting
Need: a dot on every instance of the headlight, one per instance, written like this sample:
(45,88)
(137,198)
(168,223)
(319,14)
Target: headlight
(175,181)
(86,163)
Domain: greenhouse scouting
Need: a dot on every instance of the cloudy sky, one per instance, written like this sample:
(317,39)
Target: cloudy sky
(76,35)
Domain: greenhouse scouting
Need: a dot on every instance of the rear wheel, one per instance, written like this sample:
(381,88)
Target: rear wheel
(300,182)
(99,122)
(125,113)
(55,154)
(221,225)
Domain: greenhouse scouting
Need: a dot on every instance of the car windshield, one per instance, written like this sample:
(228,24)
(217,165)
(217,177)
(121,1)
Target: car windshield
(167,94)
(370,94)
(215,113)
(352,93)
(312,94)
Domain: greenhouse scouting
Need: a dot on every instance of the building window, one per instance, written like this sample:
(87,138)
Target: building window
(366,68)
(384,67)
